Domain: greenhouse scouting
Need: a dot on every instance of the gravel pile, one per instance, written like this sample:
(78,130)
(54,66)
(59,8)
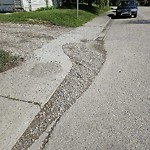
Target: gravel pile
(87,58)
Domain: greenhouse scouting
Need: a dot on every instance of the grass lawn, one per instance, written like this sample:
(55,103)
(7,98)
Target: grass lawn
(7,61)
(62,17)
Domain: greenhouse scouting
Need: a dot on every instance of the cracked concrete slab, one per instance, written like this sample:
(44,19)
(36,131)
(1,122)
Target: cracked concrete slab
(87,54)
(14,116)
(38,78)
(26,88)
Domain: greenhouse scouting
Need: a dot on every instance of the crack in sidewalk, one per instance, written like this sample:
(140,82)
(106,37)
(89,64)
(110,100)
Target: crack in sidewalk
(47,138)
(19,100)
(87,59)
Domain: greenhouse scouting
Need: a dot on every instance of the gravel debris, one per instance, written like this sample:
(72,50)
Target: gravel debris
(23,39)
(87,58)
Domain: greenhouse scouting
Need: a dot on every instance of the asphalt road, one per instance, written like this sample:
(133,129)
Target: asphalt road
(114,113)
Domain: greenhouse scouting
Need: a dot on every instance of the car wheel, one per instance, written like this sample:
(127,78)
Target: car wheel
(135,15)
(117,15)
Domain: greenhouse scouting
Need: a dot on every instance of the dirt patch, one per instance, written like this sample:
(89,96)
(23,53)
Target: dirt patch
(8,61)
(23,39)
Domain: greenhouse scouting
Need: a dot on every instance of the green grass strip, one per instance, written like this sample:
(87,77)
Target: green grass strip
(62,17)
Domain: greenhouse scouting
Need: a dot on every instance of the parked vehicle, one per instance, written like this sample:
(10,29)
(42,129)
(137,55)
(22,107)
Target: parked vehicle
(127,8)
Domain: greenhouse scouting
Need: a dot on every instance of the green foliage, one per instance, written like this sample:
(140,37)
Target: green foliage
(63,17)
(140,2)
(144,2)
(94,9)
(44,8)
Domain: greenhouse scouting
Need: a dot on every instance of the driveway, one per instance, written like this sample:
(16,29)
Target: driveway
(24,39)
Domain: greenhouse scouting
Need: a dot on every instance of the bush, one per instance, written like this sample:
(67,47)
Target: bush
(44,8)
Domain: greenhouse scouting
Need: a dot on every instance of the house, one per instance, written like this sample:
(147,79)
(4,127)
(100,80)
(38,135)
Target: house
(26,5)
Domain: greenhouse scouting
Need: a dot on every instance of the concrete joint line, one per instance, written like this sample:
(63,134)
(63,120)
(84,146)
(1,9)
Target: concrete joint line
(46,140)
(93,26)
(19,100)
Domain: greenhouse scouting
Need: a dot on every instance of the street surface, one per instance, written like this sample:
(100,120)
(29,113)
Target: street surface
(114,113)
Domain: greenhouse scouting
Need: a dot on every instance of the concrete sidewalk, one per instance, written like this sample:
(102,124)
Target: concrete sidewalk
(26,89)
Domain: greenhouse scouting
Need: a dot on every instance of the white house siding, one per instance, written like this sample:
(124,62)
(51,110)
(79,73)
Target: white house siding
(7,5)
(35,4)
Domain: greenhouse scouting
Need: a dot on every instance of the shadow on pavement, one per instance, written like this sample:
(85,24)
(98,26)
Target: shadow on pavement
(139,22)
(113,16)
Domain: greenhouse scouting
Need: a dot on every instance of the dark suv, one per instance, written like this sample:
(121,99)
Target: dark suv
(127,8)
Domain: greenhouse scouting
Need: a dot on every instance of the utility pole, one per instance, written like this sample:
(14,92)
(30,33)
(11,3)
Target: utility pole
(77,9)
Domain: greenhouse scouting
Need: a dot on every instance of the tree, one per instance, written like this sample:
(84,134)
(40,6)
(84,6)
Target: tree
(102,3)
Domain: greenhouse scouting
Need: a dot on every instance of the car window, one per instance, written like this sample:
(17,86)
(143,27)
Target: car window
(127,3)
